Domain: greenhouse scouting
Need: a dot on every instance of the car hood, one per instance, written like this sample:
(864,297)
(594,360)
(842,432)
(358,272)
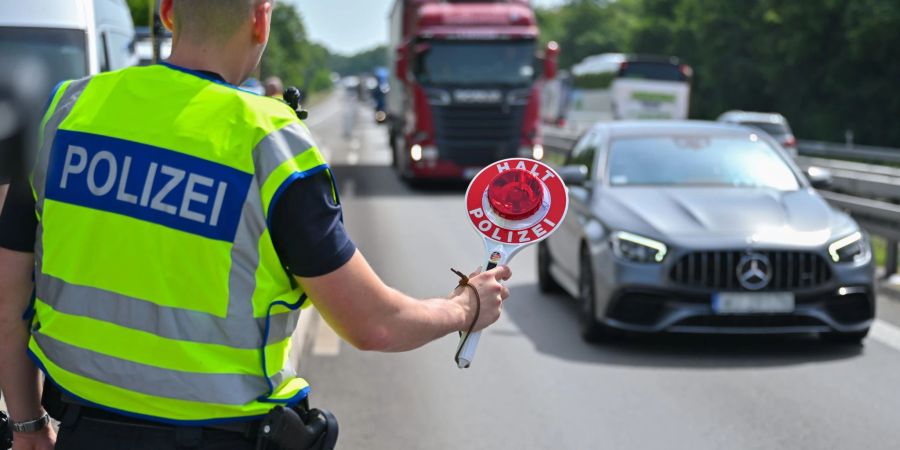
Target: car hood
(717,216)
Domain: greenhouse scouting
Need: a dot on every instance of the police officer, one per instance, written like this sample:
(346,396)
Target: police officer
(174,226)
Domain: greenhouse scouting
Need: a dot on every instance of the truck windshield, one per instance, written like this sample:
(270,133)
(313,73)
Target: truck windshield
(45,55)
(475,62)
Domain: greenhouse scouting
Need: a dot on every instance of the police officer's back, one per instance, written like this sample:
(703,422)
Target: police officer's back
(177,226)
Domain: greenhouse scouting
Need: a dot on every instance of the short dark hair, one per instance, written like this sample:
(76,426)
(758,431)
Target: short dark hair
(211,19)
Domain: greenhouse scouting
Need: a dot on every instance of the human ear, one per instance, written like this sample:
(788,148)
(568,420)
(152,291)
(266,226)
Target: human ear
(165,14)
(262,17)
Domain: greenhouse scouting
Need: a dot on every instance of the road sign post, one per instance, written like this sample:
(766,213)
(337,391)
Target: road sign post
(512,204)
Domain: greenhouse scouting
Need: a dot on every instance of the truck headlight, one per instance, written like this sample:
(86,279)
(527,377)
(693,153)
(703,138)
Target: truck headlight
(415,152)
(849,249)
(638,249)
(534,152)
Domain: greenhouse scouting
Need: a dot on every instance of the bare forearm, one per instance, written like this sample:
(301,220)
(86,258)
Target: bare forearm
(419,322)
(19,378)
(372,316)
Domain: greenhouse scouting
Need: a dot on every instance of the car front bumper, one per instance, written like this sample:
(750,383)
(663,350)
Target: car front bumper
(642,298)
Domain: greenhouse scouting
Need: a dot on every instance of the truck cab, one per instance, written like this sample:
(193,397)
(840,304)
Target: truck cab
(467,76)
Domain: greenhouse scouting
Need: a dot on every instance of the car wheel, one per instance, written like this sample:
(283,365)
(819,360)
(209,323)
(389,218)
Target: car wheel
(546,283)
(591,330)
(853,338)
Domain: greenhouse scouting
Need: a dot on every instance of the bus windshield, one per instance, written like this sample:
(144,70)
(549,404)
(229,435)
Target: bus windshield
(660,71)
(473,63)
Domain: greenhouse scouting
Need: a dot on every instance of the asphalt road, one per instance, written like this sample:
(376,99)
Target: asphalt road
(535,384)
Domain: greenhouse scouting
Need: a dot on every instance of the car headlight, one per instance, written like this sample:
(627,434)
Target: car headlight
(849,249)
(638,249)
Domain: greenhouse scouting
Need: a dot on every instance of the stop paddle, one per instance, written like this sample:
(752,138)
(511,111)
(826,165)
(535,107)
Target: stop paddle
(512,204)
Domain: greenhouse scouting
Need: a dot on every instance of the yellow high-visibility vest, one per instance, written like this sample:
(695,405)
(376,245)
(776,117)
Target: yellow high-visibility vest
(159,293)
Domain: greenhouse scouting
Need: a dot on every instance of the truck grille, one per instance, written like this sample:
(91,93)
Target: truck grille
(718,270)
(476,135)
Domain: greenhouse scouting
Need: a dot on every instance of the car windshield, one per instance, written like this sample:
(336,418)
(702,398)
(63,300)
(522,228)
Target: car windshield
(475,63)
(55,54)
(698,161)
(773,129)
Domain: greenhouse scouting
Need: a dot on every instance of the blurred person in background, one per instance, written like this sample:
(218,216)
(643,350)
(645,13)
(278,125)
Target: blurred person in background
(274,87)
(183,224)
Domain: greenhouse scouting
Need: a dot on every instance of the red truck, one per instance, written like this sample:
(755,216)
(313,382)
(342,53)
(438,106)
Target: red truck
(465,85)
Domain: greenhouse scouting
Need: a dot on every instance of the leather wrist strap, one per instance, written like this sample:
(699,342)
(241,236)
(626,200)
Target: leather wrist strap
(32,425)
(464,283)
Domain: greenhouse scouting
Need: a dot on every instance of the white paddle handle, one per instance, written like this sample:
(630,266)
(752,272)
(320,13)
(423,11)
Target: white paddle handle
(468,343)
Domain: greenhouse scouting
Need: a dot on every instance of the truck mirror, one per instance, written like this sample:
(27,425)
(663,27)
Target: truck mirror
(551,56)
(402,65)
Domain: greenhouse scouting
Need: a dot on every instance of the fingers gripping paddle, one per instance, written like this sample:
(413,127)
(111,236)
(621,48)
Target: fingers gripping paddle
(512,203)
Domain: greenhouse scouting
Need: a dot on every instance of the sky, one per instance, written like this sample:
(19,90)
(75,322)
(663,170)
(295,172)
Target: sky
(348,26)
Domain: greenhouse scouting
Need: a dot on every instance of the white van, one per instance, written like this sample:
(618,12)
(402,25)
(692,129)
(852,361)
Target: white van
(57,40)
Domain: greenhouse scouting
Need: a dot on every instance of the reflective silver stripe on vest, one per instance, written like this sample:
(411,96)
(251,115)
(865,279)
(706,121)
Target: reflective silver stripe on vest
(238,330)
(63,108)
(280,146)
(171,323)
(245,257)
(226,389)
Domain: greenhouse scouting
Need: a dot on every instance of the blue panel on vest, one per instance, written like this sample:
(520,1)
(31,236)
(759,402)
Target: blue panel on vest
(147,183)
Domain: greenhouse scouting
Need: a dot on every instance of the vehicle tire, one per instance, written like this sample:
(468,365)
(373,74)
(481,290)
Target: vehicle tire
(546,283)
(852,338)
(591,330)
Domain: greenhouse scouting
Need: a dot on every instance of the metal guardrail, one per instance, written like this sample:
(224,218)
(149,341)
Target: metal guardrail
(868,192)
(878,155)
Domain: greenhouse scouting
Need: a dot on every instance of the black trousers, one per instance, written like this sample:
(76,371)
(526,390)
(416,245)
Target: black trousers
(99,434)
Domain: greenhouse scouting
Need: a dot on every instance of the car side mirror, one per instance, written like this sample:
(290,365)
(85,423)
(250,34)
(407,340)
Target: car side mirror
(574,175)
(819,178)
(551,58)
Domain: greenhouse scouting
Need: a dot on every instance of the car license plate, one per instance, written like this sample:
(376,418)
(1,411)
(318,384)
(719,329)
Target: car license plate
(753,303)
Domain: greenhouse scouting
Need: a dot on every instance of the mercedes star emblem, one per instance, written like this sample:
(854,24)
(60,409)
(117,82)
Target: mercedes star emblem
(754,271)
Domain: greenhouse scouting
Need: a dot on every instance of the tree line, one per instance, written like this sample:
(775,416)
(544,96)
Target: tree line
(828,66)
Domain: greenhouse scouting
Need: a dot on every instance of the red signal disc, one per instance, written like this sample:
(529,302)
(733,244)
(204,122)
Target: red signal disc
(515,194)
(492,220)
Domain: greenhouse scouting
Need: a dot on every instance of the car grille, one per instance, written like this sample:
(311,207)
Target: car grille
(750,321)
(790,270)
(476,135)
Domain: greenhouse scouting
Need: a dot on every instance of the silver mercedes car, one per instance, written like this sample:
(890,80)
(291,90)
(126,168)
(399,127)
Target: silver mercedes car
(703,227)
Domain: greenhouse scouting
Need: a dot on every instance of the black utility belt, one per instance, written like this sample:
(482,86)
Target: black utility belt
(248,428)
(298,428)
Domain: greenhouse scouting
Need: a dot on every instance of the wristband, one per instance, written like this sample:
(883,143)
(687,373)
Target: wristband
(32,425)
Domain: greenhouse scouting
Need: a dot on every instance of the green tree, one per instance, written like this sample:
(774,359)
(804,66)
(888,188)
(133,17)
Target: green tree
(363,62)
(140,12)
(291,56)
(828,66)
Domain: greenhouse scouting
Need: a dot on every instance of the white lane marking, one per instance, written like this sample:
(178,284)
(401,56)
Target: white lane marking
(327,342)
(318,117)
(885,333)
